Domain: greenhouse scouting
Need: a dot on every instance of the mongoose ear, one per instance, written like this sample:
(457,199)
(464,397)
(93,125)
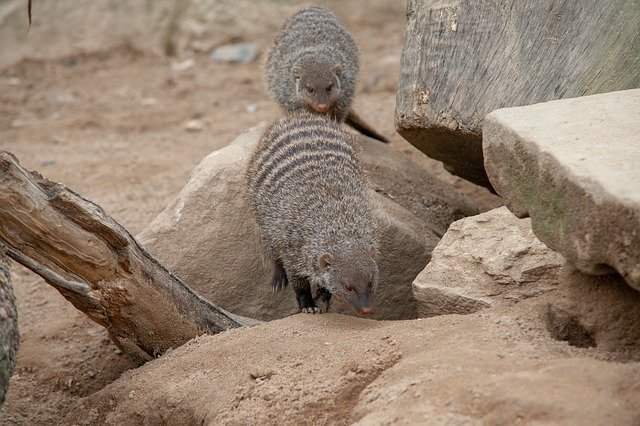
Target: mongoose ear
(337,69)
(295,70)
(324,261)
(372,250)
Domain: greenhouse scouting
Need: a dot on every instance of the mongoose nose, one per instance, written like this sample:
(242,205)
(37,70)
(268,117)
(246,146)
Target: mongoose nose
(322,107)
(366,311)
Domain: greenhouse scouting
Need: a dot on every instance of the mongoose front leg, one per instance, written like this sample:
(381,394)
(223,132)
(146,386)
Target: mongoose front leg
(325,296)
(279,280)
(303,295)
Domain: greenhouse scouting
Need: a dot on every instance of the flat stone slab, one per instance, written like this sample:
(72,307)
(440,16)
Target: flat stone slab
(573,165)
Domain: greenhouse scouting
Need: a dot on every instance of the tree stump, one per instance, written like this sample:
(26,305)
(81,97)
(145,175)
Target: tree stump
(8,327)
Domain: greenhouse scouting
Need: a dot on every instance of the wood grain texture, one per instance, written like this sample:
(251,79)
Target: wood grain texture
(9,337)
(99,267)
(465,58)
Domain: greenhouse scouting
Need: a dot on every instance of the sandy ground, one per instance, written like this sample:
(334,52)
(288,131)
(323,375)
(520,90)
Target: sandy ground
(110,123)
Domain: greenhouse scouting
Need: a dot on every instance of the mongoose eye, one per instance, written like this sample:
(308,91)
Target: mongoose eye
(329,88)
(350,289)
(310,89)
(370,285)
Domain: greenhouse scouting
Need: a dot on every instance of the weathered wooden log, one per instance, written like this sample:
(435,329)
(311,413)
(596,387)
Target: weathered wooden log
(99,267)
(463,59)
(8,327)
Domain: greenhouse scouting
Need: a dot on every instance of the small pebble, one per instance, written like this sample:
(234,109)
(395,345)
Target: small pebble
(183,65)
(148,101)
(193,126)
(60,97)
(243,53)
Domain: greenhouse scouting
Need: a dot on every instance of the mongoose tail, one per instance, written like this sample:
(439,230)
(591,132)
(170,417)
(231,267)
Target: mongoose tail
(358,123)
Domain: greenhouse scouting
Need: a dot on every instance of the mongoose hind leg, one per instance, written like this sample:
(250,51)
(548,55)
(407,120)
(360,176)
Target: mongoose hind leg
(303,295)
(279,280)
(325,296)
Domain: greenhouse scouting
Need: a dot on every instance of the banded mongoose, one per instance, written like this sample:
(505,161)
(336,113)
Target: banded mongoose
(313,64)
(309,196)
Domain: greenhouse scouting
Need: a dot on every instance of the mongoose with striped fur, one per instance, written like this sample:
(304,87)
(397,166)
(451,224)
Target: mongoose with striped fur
(309,197)
(313,64)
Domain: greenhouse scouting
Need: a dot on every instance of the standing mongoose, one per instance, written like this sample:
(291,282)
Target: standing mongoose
(309,197)
(313,64)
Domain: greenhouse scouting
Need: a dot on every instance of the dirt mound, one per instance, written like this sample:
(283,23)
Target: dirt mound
(498,367)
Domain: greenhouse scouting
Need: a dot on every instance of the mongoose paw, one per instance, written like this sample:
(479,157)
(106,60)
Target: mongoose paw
(323,295)
(279,280)
(312,310)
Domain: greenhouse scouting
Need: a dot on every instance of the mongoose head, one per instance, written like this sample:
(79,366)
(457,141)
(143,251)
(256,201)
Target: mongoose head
(351,274)
(317,84)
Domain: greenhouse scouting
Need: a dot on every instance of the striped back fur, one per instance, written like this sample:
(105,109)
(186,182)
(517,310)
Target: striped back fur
(314,40)
(308,191)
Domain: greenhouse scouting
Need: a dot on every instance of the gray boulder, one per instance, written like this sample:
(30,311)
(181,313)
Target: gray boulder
(484,260)
(9,337)
(208,237)
(573,166)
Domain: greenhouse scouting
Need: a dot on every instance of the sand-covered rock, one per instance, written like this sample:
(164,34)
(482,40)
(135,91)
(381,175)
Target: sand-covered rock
(482,260)
(208,236)
(333,369)
(572,165)
(9,337)
(494,260)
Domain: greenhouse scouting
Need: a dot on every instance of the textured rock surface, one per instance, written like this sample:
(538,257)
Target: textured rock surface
(572,165)
(8,327)
(483,260)
(208,237)
(494,261)
(492,368)
(464,58)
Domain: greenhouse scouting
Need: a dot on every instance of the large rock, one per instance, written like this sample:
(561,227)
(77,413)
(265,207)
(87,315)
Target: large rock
(8,327)
(573,166)
(464,58)
(484,260)
(208,237)
(494,260)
